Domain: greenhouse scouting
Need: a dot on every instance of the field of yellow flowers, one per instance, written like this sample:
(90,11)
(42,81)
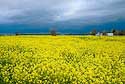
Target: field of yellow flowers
(62,60)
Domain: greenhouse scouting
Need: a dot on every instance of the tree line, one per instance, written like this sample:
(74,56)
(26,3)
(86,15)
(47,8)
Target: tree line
(53,32)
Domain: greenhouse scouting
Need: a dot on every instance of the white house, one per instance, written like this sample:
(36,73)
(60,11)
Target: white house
(99,34)
(107,34)
(110,34)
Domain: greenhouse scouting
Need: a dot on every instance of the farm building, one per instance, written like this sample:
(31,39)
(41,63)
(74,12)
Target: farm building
(99,34)
(104,34)
(110,34)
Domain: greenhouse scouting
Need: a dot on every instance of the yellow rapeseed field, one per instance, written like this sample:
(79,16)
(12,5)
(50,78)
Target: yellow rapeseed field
(62,60)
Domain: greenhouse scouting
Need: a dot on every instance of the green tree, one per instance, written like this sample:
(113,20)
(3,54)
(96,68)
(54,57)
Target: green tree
(113,31)
(93,32)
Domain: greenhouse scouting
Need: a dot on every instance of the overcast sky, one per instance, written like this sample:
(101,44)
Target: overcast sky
(64,12)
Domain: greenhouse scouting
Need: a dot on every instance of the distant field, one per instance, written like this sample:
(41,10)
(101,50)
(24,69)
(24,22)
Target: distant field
(62,60)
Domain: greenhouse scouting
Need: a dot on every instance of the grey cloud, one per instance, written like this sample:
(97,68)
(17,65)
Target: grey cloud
(56,11)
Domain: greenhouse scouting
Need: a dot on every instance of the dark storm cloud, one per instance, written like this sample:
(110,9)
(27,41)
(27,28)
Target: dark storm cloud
(61,11)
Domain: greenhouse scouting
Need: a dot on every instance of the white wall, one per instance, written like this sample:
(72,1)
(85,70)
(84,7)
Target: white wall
(109,34)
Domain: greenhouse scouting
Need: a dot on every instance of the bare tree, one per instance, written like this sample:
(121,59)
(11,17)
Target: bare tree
(53,32)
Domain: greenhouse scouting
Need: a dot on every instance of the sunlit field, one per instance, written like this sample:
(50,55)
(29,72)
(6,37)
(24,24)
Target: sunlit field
(62,60)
